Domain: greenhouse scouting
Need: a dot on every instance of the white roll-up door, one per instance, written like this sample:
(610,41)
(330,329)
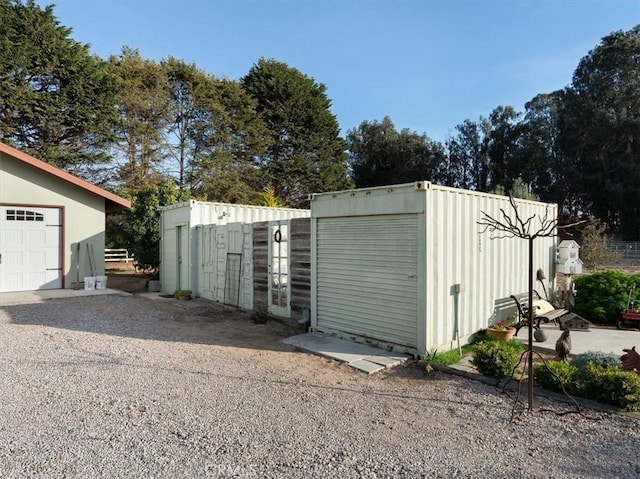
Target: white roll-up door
(367,276)
(30,251)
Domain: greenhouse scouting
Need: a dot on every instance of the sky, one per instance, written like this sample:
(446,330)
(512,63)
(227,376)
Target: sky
(427,64)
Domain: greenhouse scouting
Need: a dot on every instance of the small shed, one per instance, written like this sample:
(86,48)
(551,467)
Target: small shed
(52,225)
(408,267)
(569,261)
(190,247)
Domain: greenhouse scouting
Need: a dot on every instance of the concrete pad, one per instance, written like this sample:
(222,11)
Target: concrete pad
(364,357)
(366,366)
(157,296)
(384,360)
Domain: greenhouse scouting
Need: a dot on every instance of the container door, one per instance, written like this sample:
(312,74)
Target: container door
(233,265)
(221,262)
(182,252)
(367,277)
(246,290)
(279,290)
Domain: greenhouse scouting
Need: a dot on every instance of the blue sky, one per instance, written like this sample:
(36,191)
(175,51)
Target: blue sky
(429,65)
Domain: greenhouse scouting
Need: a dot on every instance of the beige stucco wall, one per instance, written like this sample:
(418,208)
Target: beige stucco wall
(83,213)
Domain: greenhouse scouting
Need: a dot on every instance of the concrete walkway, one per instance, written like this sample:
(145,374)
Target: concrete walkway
(595,339)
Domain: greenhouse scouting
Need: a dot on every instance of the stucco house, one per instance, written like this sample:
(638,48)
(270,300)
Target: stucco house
(52,224)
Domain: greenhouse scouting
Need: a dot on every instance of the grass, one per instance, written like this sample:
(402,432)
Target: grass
(448,357)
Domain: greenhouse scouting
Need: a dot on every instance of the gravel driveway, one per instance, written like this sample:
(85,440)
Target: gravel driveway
(116,386)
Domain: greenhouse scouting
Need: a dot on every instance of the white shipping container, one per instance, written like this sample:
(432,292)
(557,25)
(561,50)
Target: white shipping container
(180,260)
(403,265)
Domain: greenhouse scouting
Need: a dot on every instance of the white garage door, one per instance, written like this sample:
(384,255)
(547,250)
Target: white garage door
(367,277)
(30,256)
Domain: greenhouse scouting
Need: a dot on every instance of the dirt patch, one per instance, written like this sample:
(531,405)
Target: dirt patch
(129,282)
(121,266)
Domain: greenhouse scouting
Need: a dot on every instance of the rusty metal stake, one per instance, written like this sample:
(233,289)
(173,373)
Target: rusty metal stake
(530,352)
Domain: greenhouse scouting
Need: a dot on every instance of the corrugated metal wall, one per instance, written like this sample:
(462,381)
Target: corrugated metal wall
(205,213)
(171,218)
(462,274)
(489,270)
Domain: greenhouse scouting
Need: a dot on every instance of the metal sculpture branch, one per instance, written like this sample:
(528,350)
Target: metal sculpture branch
(508,227)
(514,226)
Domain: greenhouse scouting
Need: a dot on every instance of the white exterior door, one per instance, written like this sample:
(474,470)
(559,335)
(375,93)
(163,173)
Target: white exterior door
(238,276)
(221,262)
(30,255)
(227,262)
(279,290)
(208,256)
(367,277)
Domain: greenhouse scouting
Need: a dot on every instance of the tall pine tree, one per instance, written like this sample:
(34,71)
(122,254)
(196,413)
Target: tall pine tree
(306,153)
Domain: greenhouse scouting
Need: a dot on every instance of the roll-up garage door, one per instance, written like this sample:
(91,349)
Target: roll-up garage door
(367,276)
(30,255)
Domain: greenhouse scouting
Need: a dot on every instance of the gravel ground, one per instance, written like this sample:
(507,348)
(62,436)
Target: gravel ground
(116,386)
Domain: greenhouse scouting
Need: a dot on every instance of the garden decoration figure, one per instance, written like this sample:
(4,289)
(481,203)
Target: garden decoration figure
(631,360)
(563,345)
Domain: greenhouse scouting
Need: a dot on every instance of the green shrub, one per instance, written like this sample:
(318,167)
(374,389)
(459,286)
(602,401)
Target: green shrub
(610,385)
(602,296)
(555,374)
(496,359)
(596,358)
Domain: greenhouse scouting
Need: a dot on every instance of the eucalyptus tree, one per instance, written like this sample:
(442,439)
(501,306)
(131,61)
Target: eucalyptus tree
(502,146)
(144,114)
(305,153)
(227,142)
(543,164)
(56,99)
(601,129)
(468,151)
(381,155)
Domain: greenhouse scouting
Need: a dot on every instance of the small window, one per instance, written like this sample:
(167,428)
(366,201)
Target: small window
(24,215)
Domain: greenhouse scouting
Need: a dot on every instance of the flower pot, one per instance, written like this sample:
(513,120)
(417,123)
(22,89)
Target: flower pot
(504,334)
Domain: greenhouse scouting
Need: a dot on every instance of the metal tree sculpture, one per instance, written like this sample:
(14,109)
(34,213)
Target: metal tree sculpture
(513,226)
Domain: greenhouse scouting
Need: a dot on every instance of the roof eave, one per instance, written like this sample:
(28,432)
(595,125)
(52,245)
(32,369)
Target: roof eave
(113,202)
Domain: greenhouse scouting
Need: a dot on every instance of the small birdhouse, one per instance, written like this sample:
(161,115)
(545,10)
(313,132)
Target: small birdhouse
(568,258)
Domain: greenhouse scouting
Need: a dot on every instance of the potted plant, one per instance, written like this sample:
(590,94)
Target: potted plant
(153,283)
(182,294)
(500,330)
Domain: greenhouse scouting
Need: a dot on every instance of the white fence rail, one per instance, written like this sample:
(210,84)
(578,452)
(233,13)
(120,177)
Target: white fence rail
(117,255)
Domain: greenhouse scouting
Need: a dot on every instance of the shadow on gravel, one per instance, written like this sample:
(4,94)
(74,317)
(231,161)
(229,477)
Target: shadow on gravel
(136,317)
